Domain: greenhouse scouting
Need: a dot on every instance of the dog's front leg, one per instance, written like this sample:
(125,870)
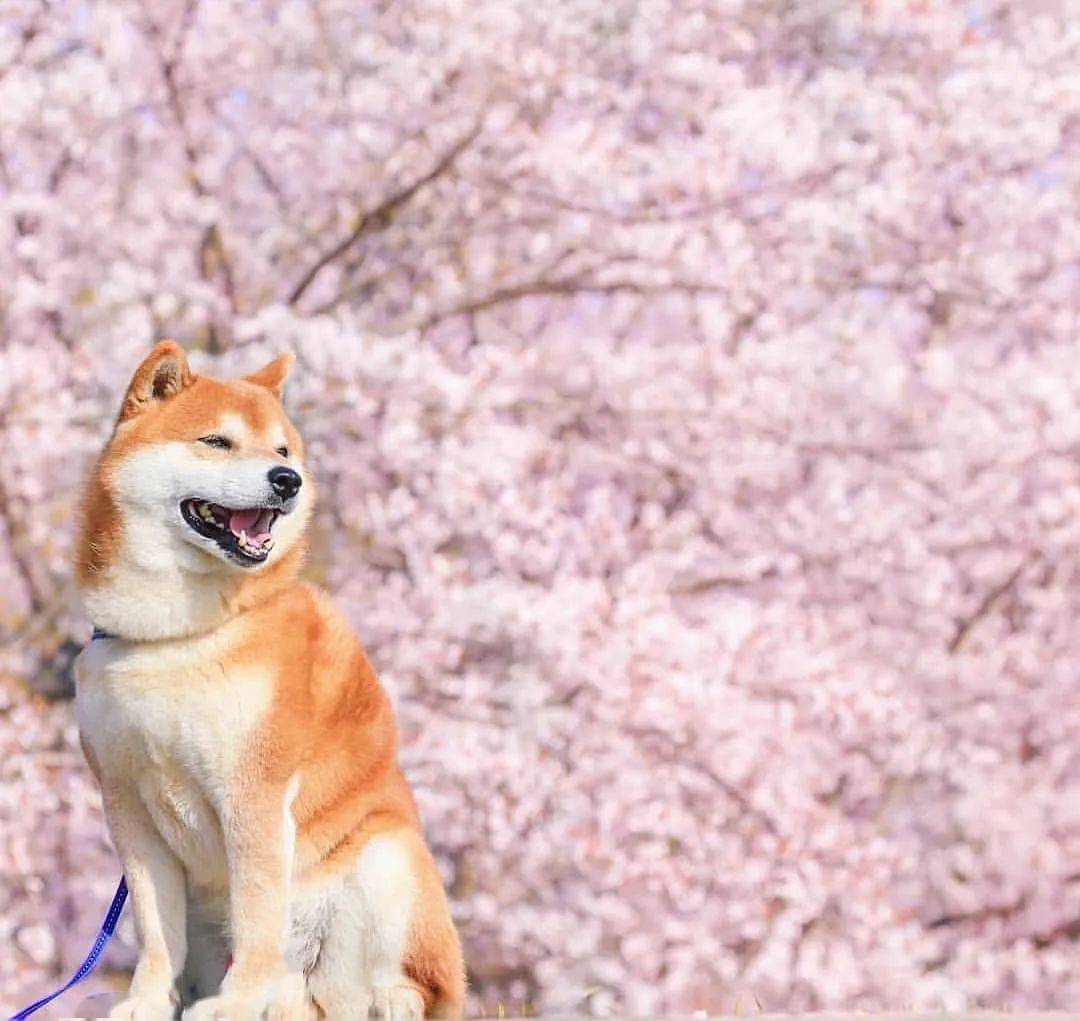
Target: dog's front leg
(259,840)
(155,879)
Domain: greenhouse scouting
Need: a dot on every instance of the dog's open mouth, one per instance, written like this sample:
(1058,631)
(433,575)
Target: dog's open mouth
(244,533)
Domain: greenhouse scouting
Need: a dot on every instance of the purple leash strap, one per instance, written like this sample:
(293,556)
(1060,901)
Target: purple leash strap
(108,927)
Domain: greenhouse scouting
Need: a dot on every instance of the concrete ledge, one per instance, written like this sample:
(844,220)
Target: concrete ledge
(1019,1015)
(828,1015)
(977,1015)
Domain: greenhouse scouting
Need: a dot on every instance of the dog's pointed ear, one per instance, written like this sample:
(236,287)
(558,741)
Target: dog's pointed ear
(164,372)
(273,375)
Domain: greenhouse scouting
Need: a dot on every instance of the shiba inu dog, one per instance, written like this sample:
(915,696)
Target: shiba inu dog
(244,747)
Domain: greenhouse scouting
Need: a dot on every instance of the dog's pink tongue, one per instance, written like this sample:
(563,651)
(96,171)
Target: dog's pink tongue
(242,520)
(261,529)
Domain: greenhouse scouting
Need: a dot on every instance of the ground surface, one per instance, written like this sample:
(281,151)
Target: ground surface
(87,1006)
(933,1016)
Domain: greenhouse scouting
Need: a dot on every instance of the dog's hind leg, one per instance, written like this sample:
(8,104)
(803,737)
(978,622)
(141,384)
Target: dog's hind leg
(390,946)
(339,980)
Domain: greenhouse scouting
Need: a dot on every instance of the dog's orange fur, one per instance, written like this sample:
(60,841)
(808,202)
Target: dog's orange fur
(330,721)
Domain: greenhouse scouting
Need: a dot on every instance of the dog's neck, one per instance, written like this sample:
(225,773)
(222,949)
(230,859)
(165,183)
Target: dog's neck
(140,604)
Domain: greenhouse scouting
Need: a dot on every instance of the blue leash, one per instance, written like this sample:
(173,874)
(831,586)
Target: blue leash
(108,927)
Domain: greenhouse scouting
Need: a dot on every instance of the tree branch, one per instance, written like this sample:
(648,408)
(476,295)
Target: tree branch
(567,287)
(989,601)
(380,216)
(212,256)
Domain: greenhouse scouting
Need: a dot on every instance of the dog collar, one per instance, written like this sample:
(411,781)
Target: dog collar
(100,633)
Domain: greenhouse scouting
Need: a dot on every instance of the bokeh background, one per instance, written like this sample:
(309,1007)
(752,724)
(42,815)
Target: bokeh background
(693,390)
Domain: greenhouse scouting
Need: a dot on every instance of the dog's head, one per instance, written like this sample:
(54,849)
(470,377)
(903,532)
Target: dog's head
(201,475)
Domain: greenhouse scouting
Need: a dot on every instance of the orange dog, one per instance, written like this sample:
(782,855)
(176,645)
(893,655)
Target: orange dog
(244,746)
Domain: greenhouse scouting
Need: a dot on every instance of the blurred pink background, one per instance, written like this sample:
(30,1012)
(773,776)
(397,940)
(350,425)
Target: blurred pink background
(693,392)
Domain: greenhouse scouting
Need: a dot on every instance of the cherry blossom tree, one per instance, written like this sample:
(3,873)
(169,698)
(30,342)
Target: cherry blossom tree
(692,389)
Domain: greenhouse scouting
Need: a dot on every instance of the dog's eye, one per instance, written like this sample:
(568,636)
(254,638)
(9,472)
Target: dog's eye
(283,451)
(214,440)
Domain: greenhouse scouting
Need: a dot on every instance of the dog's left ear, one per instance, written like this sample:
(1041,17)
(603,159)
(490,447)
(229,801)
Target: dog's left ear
(273,376)
(163,373)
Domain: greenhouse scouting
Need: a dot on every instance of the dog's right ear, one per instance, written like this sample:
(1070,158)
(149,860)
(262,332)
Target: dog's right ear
(163,373)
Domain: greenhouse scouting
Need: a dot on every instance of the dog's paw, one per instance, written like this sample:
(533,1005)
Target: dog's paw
(144,1008)
(285,1000)
(226,1008)
(290,1002)
(397,1003)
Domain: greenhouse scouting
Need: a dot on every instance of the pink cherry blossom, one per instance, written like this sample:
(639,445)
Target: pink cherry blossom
(692,389)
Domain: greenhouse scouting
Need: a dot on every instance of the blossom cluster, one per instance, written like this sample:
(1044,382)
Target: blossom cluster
(692,389)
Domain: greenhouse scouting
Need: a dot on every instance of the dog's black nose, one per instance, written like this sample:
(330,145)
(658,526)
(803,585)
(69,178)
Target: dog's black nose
(285,482)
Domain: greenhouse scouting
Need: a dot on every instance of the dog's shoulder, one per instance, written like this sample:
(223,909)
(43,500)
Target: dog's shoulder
(325,685)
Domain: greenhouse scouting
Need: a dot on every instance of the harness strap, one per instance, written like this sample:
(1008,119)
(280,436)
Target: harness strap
(108,927)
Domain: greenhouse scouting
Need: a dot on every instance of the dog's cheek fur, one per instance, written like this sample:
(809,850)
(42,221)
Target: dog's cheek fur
(150,485)
(100,531)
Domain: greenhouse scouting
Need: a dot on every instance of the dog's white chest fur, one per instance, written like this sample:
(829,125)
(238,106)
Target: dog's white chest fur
(167,718)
